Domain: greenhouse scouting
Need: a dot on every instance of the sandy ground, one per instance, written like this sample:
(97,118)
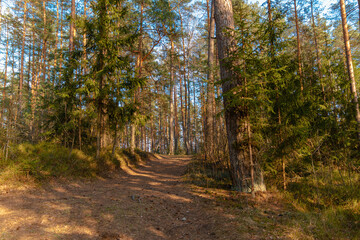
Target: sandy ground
(150,202)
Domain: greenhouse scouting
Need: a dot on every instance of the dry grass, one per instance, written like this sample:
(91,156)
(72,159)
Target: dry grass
(28,163)
(311,208)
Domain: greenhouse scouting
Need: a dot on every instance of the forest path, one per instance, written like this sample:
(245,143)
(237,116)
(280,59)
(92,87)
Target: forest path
(150,202)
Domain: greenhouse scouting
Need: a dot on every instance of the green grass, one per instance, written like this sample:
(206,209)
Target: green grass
(325,206)
(42,161)
(205,175)
(328,208)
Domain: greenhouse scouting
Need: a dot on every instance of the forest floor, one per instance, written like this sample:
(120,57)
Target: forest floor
(149,202)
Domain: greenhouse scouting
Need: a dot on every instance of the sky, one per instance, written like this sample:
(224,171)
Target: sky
(325,3)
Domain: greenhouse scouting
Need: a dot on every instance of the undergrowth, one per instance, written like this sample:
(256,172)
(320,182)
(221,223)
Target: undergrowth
(323,206)
(42,161)
(207,175)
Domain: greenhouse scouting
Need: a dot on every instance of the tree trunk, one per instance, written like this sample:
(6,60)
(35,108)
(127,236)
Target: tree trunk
(176,120)
(184,108)
(235,116)
(33,83)
(318,59)
(56,42)
(209,129)
(114,142)
(194,118)
(298,47)
(349,64)
(72,26)
(139,61)
(5,78)
(22,57)
(45,43)
(100,98)
(188,113)
(171,119)
(61,39)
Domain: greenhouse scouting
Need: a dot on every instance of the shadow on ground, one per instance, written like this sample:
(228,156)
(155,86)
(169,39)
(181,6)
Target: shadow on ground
(149,202)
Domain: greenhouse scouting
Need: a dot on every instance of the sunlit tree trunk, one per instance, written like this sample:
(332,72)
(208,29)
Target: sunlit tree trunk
(184,108)
(72,26)
(171,118)
(349,63)
(176,122)
(56,41)
(21,80)
(235,116)
(210,101)
(298,47)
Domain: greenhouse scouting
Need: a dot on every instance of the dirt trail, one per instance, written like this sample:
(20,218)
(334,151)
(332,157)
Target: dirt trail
(150,202)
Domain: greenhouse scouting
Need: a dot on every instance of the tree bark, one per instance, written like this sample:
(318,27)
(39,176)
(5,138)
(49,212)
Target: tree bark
(171,119)
(235,116)
(72,26)
(349,64)
(5,78)
(139,61)
(22,57)
(298,47)
(176,122)
(210,101)
(56,42)
(184,108)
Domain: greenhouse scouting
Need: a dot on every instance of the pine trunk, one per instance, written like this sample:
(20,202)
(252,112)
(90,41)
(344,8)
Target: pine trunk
(22,57)
(171,119)
(210,101)
(235,116)
(72,26)
(298,47)
(349,64)
(5,79)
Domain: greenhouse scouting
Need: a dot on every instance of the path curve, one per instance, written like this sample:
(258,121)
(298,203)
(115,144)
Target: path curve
(150,202)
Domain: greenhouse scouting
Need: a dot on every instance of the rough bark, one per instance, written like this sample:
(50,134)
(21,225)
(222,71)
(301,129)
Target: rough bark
(235,116)
(349,64)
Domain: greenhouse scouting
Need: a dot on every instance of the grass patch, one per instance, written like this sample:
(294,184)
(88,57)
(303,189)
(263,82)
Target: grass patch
(327,209)
(325,206)
(39,162)
(205,175)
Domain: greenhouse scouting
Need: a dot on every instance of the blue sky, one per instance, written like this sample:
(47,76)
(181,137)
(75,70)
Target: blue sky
(326,3)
